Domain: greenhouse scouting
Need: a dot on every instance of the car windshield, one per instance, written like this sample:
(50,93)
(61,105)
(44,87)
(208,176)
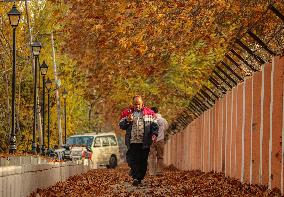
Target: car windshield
(80,141)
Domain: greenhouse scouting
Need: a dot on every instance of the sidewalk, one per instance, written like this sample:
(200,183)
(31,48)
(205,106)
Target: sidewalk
(110,183)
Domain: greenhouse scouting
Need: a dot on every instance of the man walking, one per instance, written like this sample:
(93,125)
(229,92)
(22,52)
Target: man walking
(157,149)
(141,130)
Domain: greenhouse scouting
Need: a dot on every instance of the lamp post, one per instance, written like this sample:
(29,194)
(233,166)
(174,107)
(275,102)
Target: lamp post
(36,46)
(14,18)
(64,95)
(43,70)
(48,84)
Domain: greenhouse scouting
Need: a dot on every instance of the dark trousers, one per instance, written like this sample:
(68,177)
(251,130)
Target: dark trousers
(138,159)
(127,157)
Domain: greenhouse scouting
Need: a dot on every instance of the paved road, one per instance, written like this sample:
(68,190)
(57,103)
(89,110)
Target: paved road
(109,183)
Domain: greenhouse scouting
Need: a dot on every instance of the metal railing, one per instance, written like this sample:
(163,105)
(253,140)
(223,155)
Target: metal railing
(249,52)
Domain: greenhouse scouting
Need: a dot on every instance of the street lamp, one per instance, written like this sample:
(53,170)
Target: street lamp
(43,70)
(48,84)
(64,95)
(36,47)
(14,18)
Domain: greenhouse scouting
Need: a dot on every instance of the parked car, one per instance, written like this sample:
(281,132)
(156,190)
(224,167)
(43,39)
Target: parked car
(102,149)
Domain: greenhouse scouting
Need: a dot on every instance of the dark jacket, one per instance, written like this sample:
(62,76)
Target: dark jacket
(150,126)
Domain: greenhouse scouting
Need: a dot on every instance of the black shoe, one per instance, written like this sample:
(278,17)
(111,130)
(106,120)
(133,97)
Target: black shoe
(135,182)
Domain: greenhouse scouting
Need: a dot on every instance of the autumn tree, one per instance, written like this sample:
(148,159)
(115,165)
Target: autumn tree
(163,50)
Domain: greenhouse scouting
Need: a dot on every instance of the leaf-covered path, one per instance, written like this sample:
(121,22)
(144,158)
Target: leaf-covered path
(105,182)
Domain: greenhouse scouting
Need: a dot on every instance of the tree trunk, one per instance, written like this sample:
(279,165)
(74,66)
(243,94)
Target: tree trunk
(57,93)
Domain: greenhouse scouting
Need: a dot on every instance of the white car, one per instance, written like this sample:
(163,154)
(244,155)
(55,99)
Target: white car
(102,149)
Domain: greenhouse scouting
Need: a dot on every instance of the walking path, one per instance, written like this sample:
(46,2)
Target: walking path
(105,182)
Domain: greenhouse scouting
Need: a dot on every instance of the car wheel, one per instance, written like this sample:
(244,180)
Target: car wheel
(112,161)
